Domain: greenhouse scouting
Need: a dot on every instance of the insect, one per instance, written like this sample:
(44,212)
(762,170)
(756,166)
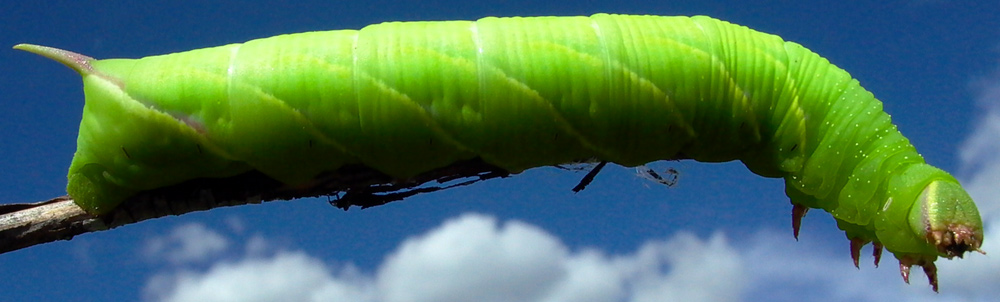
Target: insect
(519,93)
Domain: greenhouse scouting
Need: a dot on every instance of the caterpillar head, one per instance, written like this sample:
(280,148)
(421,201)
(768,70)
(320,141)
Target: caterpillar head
(946,217)
(928,215)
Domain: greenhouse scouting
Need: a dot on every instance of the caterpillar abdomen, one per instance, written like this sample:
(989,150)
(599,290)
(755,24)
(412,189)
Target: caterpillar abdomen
(405,98)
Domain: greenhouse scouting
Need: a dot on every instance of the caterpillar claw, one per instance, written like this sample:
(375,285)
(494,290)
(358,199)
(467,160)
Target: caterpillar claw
(877,252)
(931,271)
(904,270)
(856,245)
(928,266)
(798,211)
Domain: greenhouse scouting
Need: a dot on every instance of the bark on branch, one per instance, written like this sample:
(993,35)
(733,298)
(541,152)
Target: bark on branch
(24,225)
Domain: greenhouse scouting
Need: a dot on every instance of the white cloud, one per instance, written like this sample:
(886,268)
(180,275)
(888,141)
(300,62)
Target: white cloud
(589,278)
(475,258)
(470,259)
(698,270)
(191,242)
(287,276)
(256,246)
(235,224)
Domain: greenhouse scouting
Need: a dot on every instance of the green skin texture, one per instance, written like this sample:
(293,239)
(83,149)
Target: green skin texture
(405,98)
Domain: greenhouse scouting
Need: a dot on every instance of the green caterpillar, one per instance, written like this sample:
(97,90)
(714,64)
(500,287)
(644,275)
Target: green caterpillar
(518,93)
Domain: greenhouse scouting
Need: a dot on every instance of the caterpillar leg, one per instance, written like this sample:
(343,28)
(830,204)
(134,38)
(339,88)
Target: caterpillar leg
(877,253)
(858,243)
(905,263)
(929,269)
(798,211)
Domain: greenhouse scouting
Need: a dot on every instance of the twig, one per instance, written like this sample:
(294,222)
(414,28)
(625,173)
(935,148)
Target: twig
(24,225)
(47,221)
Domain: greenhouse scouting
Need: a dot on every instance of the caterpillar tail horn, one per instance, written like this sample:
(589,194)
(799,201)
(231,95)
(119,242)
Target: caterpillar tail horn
(77,62)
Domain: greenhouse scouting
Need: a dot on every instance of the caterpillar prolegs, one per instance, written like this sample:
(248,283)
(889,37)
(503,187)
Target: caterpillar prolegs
(518,93)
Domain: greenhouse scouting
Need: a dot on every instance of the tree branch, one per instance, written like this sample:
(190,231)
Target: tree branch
(25,225)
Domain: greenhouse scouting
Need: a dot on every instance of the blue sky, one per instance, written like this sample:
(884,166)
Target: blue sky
(720,234)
